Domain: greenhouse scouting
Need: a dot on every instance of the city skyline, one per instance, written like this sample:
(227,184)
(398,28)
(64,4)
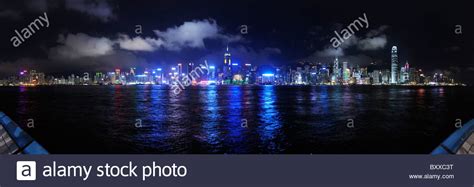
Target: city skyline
(231,73)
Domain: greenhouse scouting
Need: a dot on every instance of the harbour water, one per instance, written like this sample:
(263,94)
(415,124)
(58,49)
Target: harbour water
(239,119)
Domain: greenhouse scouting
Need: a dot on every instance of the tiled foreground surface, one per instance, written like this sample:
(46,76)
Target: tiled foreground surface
(7,145)
(13,140)
(468,146)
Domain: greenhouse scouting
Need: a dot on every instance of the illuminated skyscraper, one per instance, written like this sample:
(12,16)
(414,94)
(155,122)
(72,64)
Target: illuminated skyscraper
(212,73)
(99,78)
(336,71)
(227,69)
(404,73)
(117,77)
(346,72)
(180,69)
(189,67)
(132,71)
(395,74)
(227,60)
(376,77)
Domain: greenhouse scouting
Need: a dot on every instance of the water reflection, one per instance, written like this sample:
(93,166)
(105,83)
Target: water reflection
(234,118)
(179,118)
(151,115)
(208,119)
(323,100)
(420,97)
(347,101)
(118,105)
(301,101)
(269,120)
(210,133)
(23,100)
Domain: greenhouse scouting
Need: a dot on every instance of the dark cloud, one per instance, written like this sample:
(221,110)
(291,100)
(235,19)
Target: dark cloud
(192,34)
(139,43)
(188,35)
(96,8)
(453,48)
(12,67)
(100,9)
(374,40)
(372,43)
(73,46)
(37,5)
(378,31)
(330,52)
(10,14)
(108,62)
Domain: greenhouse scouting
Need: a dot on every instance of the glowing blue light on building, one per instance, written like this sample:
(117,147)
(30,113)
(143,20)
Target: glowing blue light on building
(268,75)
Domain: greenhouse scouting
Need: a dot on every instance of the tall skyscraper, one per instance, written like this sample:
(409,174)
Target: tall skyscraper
(336,71)
(395,74)
(404,73)
(180,70)
(117,77)
(227,69)
(227,60)
(345,72)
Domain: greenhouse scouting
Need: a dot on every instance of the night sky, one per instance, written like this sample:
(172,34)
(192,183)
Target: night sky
(92,35)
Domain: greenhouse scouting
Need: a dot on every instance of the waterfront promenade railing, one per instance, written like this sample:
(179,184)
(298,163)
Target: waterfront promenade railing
(460,142)
(13,140)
